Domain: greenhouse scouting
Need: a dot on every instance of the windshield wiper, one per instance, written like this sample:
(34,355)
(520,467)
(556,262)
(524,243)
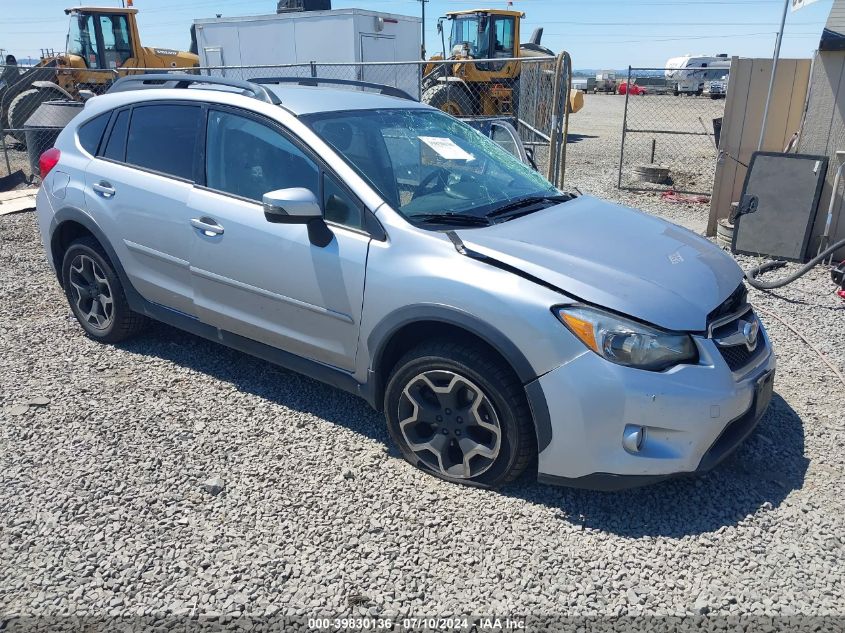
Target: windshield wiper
(450,218)
(526,202)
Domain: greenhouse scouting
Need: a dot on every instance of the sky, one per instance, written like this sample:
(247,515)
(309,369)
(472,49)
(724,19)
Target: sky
(597,33)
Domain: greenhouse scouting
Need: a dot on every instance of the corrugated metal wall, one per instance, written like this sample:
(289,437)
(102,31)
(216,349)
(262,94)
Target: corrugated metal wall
(824,130)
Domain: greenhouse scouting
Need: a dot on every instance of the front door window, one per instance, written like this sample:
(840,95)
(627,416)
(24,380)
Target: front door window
(82,39)
(248,159)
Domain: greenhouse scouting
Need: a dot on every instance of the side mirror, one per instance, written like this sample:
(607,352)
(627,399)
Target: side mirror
(296,205)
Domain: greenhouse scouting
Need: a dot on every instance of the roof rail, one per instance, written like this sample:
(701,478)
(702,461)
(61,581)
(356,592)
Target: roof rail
(384,89)
(181,80)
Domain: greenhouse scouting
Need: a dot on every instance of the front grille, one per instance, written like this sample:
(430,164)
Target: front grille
(738,356)
(734,302)
(732,344)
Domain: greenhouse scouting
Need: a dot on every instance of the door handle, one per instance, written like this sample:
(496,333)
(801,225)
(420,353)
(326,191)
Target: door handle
(103,188)
(208,226)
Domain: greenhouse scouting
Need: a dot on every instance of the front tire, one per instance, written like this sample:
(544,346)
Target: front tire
(96,295)
(459,413)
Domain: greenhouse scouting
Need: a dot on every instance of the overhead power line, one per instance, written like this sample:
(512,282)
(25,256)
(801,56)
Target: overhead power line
(662,23)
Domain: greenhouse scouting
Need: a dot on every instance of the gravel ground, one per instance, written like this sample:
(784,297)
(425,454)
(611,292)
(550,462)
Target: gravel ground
(108,455)
(592,160)
(17,158)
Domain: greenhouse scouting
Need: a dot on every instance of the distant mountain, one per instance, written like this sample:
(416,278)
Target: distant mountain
(25,61)
(623,72)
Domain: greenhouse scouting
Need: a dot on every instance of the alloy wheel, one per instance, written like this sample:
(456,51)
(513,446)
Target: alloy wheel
(91,292)
(450,424)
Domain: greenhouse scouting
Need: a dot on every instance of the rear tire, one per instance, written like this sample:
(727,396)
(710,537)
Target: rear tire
(460,413)
(452,99)
(96,295)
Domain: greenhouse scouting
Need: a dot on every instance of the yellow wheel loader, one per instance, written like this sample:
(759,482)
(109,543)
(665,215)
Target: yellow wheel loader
(103,43)
(489,88)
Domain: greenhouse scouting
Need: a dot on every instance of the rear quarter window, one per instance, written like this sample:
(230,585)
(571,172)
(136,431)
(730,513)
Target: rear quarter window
(91,132)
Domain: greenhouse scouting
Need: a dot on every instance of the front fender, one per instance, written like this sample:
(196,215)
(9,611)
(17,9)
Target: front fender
(384,331)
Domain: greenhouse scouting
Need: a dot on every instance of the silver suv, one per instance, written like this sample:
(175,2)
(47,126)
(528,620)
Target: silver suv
(386,248)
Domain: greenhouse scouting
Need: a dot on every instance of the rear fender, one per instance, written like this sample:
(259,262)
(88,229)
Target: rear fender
(73,214)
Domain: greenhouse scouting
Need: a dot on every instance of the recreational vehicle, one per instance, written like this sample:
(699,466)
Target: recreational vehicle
(688,74)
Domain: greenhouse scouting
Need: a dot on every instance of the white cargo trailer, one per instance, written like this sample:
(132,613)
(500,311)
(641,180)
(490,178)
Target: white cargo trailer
(340,35)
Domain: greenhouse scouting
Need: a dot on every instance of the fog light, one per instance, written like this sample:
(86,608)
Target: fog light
(633,437)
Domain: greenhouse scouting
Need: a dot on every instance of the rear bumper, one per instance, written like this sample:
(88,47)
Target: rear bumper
(44,213)
(693,417)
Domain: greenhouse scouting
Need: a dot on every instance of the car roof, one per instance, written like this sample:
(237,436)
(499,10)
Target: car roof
(294,98)
(313,99)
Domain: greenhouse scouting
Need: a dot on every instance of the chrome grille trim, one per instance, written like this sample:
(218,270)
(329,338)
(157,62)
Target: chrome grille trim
(721,321)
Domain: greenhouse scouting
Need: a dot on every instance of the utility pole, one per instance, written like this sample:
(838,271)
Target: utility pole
(775,58)
(422,50)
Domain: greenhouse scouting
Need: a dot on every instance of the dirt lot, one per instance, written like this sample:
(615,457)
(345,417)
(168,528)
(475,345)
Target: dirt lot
(104,450)
(596,135)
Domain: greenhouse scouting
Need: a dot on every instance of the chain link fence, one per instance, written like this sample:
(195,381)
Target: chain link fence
(668,140)
(531,96)
(529,93)
(35,105)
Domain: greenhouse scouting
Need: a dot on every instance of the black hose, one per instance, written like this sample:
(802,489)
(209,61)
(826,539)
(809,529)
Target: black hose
(751,274)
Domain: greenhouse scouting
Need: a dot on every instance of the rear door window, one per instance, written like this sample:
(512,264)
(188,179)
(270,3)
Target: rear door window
(163,138)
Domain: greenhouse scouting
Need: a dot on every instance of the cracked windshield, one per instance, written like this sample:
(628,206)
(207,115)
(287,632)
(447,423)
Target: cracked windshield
(424,162)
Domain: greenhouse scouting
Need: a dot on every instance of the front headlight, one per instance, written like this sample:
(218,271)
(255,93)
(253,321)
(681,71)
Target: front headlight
(627,342)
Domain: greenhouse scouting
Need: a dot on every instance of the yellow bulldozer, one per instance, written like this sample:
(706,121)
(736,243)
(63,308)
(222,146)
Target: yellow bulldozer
(489,88)
(102,44)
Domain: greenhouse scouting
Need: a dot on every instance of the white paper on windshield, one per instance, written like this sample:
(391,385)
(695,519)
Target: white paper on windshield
(446,148)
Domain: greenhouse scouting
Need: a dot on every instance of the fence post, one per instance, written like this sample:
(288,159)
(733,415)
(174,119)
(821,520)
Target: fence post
(566,107)
(6,152)
(313,69)
(420,71)
(624,129)
(554,123)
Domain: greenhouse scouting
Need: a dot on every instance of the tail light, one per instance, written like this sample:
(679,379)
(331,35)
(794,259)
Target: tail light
(48,160)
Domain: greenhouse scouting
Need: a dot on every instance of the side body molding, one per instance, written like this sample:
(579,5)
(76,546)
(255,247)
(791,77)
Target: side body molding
(377,338)
(324,373)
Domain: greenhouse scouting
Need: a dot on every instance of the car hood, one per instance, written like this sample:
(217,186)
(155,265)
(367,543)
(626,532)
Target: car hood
(616,257)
